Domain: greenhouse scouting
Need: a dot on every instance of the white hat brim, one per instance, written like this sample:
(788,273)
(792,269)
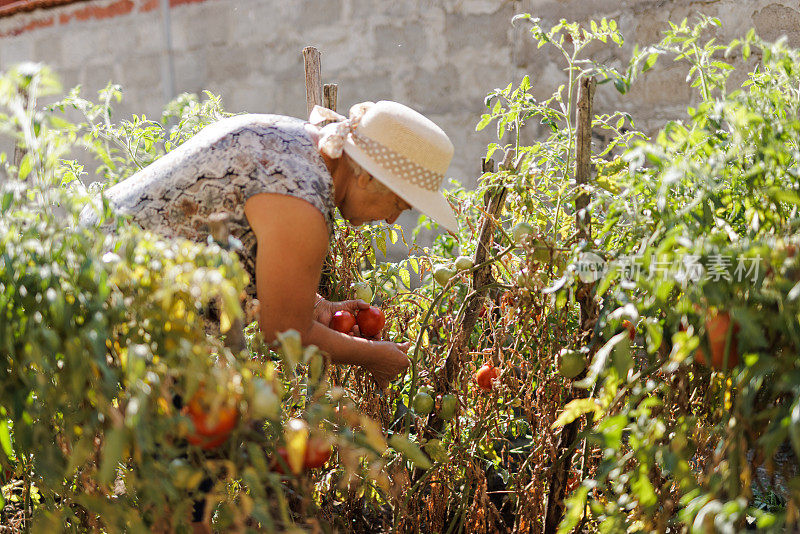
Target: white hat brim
(431,203)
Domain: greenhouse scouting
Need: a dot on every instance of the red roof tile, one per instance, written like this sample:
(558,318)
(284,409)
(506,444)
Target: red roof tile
(12,7)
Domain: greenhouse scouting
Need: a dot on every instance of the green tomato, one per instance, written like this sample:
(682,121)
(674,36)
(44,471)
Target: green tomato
(422,403)
(571,363)
(448,407)
(464,263)
(521,231)
(436,450)
(362,291)
(443,274)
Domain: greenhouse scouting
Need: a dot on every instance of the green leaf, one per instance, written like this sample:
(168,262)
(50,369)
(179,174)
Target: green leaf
(644,489)
(484,122)
(380,242)
(410,450)
(113,446)
(576,504)
(405,276)
(5,439)
(576,408)
(784,195)
(650,62)
(600,359)
(25,166)
(620,85)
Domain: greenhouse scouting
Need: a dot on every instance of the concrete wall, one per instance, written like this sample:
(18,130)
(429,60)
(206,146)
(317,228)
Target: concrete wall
(440,57)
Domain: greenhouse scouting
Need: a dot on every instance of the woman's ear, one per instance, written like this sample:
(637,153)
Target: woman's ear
(363,180)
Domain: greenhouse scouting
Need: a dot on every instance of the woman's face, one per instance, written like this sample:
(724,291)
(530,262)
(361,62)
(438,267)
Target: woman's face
(367,200)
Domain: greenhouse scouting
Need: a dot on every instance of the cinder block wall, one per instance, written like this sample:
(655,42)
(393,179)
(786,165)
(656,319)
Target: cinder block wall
(438,56)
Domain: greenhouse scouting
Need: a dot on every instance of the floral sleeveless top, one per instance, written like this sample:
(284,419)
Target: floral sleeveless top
(217,170)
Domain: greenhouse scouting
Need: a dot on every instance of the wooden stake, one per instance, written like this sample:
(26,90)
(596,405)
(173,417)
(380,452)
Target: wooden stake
(583,156)
(312,65)
(480,279)
(330,94)
(559,474)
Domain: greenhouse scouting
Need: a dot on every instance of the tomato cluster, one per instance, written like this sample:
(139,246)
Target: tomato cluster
(370,321)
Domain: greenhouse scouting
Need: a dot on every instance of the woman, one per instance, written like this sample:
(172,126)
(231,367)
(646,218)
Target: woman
(279,179)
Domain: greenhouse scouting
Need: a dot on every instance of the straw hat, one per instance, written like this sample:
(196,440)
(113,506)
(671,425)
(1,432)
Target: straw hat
(398,146)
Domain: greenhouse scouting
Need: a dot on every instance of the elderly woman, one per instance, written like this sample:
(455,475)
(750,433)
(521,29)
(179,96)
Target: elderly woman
(279,179)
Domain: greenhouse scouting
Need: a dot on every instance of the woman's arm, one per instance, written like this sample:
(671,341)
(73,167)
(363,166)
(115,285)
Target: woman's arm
(292,242)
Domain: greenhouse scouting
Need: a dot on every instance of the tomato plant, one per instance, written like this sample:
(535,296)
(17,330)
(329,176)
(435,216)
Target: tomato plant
(604,420)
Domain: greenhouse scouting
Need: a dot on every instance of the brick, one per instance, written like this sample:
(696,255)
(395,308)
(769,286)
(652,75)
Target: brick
(96,12)
(45,22)
(149,5)
(174,3)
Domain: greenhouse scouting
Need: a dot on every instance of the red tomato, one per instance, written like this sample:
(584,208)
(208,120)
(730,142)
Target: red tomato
(631,329)
(276,464)
(210,429)
(717,332)
(371,321)
(485,375)
(317,453)
(343,321)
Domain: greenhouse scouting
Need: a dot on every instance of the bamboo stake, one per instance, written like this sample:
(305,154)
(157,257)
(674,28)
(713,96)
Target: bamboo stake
(313,68)
(554,511)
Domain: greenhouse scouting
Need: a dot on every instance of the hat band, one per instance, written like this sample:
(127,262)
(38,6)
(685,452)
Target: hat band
(399,165)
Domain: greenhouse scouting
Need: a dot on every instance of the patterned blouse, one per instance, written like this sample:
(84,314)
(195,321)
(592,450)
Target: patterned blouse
(217,170)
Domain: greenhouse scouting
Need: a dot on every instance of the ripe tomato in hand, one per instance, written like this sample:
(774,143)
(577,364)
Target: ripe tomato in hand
(343,321)
(371,321)
(211,429)
(485,375)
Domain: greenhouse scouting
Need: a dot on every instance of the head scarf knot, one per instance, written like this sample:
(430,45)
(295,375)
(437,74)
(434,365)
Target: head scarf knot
(333,135)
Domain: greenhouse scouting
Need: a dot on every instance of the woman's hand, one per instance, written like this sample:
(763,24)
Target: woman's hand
(387,361)
(323,312)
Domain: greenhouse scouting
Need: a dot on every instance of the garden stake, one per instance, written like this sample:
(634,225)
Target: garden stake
(326,96)
(558,478)
(480,278)
(312,66)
